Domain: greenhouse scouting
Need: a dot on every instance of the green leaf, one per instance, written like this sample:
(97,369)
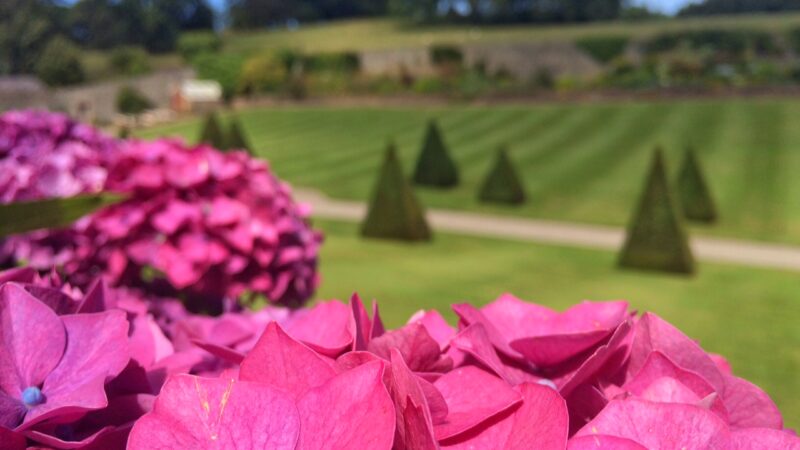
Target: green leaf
(21,217)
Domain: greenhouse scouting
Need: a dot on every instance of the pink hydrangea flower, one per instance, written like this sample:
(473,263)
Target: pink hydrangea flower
(202,225)
(47,155)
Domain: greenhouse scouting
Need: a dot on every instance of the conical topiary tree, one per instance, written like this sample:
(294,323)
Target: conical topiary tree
(656,238)
(235,138)
(211,133)
(434,167)
(502,184)
(394,211)
(693,192)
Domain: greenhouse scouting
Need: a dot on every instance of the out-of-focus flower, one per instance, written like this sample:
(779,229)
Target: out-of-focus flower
(47,155)
(202,225)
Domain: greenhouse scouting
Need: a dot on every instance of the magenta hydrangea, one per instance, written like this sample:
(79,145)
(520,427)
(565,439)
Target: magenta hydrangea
(199,224)
(77,370)
(111,369)
(46,155)
(513,375)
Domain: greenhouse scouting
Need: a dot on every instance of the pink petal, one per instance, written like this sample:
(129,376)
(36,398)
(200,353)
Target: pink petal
(351,411)
(437,327)
(325,327)
(660,425)
(418,348)
(748,406)
(10,440)
(97,351)
(280,361)
(32,342)
(473,396)
(654,334)
(541,422)
(201,413)
(602,442)
(474,341)
(763,439)
(414,422)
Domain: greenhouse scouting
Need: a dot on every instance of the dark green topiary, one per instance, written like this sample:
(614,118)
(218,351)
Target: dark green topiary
(693,193)
(394,212)
(656,238)
(502,184)
(435,167)
(211,133)
(235,139)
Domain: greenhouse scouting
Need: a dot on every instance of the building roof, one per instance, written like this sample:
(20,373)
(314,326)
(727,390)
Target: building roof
(201,90)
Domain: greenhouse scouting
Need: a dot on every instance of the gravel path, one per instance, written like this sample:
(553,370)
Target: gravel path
(746,253)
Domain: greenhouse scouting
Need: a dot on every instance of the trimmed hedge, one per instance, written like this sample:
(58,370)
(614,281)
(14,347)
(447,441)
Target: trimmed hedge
(434,166)
(211,133)
(235,138)
(656,239)
(394,211)
(695,196)
(502,184)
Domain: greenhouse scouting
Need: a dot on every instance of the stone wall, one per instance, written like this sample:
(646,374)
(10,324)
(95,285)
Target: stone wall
(97,102)
(522,60)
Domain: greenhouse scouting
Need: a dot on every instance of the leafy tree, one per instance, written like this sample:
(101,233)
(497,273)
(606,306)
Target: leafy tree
(223,68)
(656,239)
(187,14)
(107,24)
(502,184)
(131,101)
(211,133)
(235,138)
(60,63)
(26,27)
(434,165)
(711,7)
(394,211)
(695,196)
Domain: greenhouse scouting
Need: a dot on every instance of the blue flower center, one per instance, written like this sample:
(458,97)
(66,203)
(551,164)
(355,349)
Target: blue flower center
(32,396)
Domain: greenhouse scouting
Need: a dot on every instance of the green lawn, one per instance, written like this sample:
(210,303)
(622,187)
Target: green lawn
(748,315)
(387,33)
(580,162)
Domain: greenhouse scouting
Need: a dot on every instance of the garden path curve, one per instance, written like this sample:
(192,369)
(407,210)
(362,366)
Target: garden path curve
(729,251)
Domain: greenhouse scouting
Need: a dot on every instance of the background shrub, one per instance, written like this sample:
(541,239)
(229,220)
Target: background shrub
(656,239)
(60,63)
(224,68)
(603,49)
(394,211)
(446,55)
(131,101)
(694,194)
(435,167)
(502,183)
(262,73)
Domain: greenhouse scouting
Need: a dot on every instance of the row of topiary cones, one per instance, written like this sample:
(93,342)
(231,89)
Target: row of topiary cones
(656,237)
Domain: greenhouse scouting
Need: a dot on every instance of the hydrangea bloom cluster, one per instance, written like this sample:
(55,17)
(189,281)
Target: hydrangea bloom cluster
(77,370)
(200,224)
(45,155)
(108,370)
